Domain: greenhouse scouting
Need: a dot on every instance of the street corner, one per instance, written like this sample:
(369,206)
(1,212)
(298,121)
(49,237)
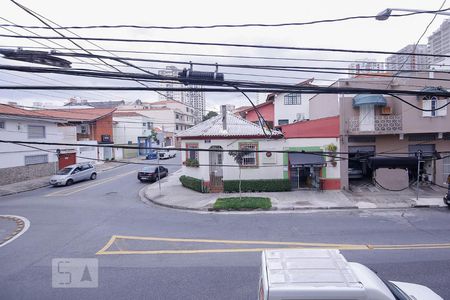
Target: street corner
(11,228)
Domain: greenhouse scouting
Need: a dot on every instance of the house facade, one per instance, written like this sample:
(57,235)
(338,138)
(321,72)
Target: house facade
(18,162)
(377,125)
(224,133)
(312,171)
(280,108)
(93,126)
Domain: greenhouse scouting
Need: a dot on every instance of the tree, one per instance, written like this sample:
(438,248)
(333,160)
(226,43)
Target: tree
(209,115)
(239,158)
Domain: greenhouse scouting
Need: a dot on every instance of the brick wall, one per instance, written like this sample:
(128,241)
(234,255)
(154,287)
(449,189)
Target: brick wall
(103,126)
(16,174)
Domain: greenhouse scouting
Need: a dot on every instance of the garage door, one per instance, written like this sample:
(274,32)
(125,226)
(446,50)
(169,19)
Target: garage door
(427,149)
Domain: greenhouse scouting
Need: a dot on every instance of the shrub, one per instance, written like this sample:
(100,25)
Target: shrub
(192,183)
(244,203)
(257,185)
(192,162)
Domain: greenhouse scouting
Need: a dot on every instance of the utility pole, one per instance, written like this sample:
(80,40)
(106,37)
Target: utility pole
(159,175)
(419,158)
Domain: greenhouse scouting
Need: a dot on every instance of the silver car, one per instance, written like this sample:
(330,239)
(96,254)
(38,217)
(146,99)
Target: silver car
(74,173)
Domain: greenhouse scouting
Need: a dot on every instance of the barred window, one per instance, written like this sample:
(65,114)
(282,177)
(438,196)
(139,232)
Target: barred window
(251,159)
(292,99)
(36,132)
(36,159)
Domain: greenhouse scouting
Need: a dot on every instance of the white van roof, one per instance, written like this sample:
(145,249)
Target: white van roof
(321,271)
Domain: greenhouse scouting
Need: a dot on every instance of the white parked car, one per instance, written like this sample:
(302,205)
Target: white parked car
(167,153)
(326,275)
(74,173)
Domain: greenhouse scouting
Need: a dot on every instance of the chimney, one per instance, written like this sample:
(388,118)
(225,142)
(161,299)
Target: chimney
(224,116)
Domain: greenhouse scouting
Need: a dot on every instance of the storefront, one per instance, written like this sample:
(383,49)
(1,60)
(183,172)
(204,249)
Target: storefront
(305,170)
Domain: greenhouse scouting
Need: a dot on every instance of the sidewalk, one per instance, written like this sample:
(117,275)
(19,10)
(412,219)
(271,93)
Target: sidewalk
(33,184)
(174,195)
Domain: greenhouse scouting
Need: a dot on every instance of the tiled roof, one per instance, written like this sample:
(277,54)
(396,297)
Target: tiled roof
(236,127)
(16,111)
(80,115)
(319,128)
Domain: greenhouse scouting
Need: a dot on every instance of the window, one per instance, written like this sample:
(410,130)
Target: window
(177,116)
(176,127)
(192,154)
(292,99)
(251,159)
(149,125)
(36,159)
(2,124)
(83,129)
(36,132)
(283,122)
(432,103)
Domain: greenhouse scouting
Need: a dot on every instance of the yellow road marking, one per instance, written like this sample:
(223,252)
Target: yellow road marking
(290,245)
(67,192)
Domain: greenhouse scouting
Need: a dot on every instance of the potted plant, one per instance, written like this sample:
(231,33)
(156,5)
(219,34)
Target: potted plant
(332,149)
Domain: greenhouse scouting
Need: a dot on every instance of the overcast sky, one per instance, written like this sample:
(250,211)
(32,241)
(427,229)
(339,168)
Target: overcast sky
(390,35)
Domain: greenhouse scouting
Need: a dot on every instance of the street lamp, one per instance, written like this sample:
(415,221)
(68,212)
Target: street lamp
(38,57)
(385,14)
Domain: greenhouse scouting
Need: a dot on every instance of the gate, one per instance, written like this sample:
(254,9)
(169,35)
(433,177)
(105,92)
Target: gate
(216,170)
(66,159)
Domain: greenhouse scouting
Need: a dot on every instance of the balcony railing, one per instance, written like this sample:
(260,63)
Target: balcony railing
(381,124)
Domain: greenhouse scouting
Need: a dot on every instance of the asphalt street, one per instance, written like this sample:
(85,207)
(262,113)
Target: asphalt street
(150,252)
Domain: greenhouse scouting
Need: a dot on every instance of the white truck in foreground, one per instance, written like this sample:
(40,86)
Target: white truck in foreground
(322,274)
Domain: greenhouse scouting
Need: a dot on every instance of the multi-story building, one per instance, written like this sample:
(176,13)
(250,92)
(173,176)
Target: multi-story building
(409,62)
(380,125)
(194,99)
(439,42)
(169,115)
(365,66)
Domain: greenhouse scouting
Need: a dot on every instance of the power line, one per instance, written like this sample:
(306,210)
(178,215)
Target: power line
(418,41)
(226,45)
(231,56)
(301,69)
(48,47)
(265,25)
(41,19)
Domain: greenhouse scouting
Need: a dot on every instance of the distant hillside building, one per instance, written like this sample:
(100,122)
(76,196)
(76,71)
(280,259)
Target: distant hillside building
(411,62)
(439,42)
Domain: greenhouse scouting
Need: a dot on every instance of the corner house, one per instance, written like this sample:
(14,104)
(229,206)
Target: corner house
(217,171)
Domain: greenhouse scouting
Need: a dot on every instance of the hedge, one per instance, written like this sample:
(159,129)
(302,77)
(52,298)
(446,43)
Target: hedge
(192,183)
(244,203)
(257,185)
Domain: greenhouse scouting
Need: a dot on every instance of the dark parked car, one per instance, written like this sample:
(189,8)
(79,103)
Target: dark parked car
(151,173)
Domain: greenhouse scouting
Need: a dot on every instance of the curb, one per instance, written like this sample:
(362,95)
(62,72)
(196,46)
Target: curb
(27,190)
(143,195)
